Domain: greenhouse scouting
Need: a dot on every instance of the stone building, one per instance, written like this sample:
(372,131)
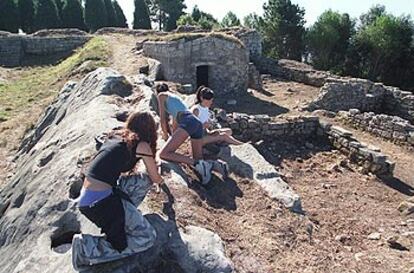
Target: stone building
(217,60)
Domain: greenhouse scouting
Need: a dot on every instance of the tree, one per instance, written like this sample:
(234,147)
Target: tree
(328,40)
(110,11)
(95,14)
(121,21)
(26,10)
(141,15)
(253,21)
(384,49)
(196,13)
(46,15)
(9,16)
(173,9)
(166,12)
(72,15)
(372,15)
(283,29)
(230,20)
(186,20)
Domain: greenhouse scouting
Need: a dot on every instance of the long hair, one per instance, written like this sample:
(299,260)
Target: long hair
(203,92)
(140,126)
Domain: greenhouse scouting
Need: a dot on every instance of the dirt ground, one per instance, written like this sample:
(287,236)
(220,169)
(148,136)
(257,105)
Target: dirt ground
(342,205)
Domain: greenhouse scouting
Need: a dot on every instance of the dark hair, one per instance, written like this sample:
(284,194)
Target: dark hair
(162,87)
(203,92)
(140,126)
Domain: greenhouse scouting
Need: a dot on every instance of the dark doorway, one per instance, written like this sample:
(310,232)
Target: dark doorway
(202,75)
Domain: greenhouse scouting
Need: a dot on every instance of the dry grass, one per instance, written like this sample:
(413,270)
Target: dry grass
(194,36)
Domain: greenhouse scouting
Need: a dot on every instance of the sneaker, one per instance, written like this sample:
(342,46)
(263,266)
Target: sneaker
(221,167)
(204,169)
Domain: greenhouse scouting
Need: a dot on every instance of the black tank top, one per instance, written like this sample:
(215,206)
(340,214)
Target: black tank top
(112,159)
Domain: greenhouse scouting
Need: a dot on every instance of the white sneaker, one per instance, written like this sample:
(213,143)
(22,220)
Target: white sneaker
(204,169)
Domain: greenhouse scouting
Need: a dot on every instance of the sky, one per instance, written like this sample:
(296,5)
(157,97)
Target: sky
(313,8)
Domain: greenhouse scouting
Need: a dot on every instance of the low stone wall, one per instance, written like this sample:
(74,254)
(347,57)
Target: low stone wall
(255,80)
(292,70)
(370,159)
(261,127)
(14,49)
(399,103)
(392,128)
(344,94)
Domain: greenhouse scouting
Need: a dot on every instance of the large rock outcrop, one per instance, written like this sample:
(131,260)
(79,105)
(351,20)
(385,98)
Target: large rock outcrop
(38,220)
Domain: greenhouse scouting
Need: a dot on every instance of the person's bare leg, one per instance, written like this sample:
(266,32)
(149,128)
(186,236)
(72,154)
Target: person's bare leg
(168,151)
(197,148)
(221,138)
(226,131)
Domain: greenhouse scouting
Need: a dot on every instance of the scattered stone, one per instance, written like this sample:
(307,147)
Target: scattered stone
(398,243)
(374,236)
(358,256)
(343,238)
(406,207)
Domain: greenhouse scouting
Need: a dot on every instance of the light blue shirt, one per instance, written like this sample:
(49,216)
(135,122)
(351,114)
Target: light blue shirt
(174,104)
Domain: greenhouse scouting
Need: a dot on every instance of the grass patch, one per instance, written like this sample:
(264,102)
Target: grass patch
(194,36)
(35,85)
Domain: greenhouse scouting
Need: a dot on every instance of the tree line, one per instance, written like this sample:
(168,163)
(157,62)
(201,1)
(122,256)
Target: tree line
(378,45)
(33,15)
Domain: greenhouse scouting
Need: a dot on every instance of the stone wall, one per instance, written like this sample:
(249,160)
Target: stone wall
(344,94)
(227,62)
(255,80)
(261,127)
(399,103)
(253,42)
(16,49)
(392,128)
(292,70)
(369,158)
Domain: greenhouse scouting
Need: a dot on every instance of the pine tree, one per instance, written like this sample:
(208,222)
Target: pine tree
(110,11)
(9,16)
(72,15)
(141,15)
(121,21)
(95,14)
(283,29)
(26,10)
(230,20)
(46,15)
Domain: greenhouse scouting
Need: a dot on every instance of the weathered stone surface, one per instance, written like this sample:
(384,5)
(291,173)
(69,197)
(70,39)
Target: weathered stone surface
(247,162)
(392,128)
(14,49)
(37,218)
(225,61)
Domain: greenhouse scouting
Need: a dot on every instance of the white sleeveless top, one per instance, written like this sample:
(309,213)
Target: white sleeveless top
(203,113)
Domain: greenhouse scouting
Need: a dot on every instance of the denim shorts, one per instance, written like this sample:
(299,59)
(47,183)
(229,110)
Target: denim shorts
(191,124)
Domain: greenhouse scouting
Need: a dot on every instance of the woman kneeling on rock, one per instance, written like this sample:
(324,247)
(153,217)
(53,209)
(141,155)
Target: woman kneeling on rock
(110,200)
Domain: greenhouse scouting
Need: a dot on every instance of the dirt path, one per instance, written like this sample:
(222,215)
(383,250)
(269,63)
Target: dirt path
(124,57)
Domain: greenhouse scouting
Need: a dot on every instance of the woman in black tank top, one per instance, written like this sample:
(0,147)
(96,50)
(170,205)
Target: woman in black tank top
(116,213)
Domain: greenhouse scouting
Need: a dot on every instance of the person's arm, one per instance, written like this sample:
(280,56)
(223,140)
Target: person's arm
(163,117)
(144,151)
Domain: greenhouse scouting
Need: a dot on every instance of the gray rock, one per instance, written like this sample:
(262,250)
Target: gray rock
(247,162)
(374,236)
(37,218)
